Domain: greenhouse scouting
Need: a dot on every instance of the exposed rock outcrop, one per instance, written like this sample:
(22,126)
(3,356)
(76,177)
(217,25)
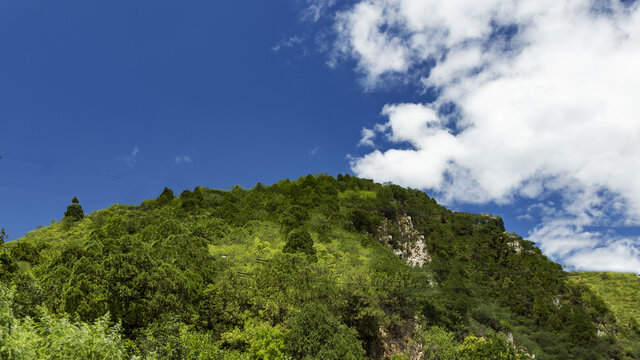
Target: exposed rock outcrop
(408,243)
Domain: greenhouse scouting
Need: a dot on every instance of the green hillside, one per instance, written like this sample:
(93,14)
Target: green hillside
(315,268)
(621,291)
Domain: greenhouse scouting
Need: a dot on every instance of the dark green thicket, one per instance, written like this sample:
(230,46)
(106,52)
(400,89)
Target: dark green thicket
(304,269)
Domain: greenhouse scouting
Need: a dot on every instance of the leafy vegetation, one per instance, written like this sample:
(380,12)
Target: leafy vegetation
(47,336)
(319,267)
(621,292)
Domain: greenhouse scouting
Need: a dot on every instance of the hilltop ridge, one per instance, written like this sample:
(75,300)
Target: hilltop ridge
(318,267)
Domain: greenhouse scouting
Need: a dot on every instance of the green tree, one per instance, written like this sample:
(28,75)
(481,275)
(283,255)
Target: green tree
(165,197)
(74,211)
(364,221)
(299,240)
(541,312)
(3,236)
(582,330)
(192,200)
(316,334)
(292,217)
(7,265)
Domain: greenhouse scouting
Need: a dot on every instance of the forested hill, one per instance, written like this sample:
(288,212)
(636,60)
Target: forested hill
(316,268)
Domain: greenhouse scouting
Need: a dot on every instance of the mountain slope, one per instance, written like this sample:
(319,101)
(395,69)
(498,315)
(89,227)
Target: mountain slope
(621,292)
(319,267)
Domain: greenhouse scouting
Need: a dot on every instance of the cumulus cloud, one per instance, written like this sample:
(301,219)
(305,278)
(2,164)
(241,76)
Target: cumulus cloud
(533,98)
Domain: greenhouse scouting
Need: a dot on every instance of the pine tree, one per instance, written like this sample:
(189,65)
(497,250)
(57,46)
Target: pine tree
(74,211)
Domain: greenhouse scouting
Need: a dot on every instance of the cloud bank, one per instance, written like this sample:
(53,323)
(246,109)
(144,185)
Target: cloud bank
(533,99)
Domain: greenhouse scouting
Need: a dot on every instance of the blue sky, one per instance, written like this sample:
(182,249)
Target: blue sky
(197,88)
(113,101)
(84,85)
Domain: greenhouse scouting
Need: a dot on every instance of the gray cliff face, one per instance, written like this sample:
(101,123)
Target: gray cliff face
(404,240)
(408,244)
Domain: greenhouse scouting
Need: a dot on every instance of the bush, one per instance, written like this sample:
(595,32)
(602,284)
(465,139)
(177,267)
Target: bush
(491,347)
(437,343)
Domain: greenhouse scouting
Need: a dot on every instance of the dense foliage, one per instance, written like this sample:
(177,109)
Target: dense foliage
(319,267)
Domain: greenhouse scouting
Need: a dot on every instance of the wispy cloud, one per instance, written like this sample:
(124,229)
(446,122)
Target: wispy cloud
(525,217)
(182,159)
(545,102)
(288,43)
(130,159)
(316,8)
(314,151)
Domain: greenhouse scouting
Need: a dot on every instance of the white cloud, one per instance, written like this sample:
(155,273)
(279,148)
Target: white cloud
(549,108)
(525,217)
(618,255)
(316,8)
(182,159)
(287,43)
(314,151)
(130,158)
(367,137)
